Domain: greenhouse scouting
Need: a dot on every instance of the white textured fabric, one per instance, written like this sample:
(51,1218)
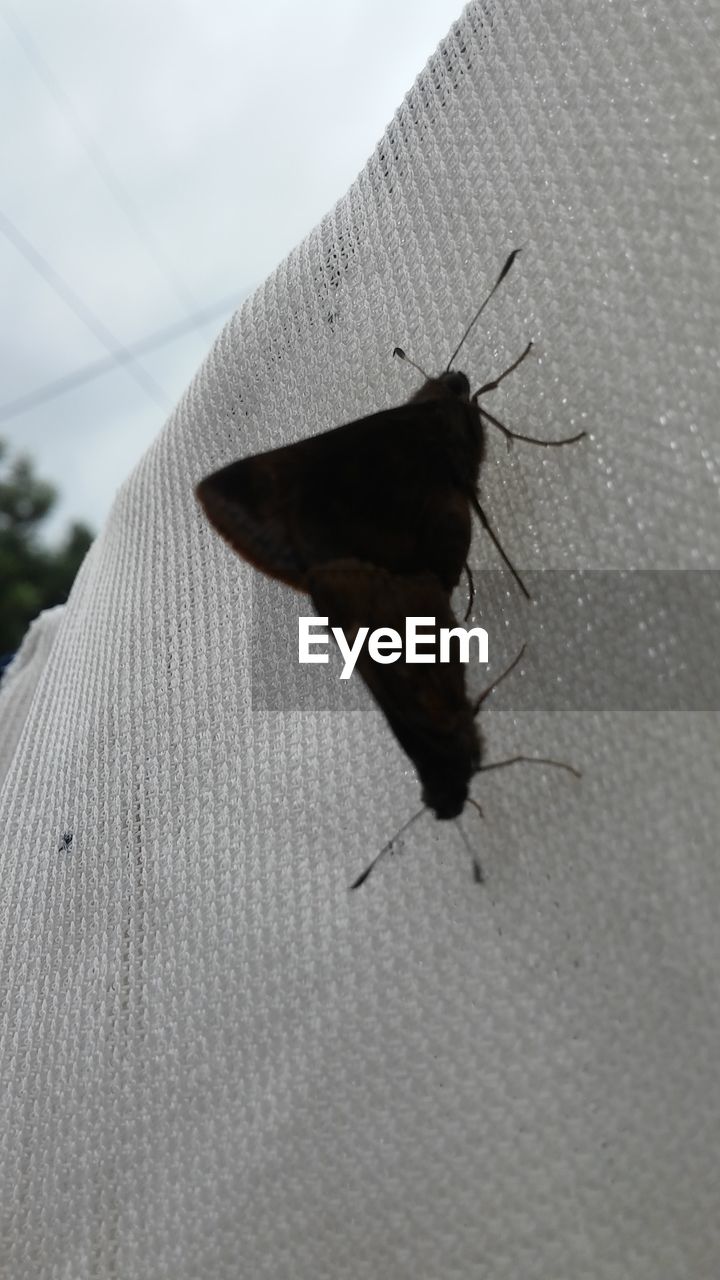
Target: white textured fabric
(20,680)
(216,1061)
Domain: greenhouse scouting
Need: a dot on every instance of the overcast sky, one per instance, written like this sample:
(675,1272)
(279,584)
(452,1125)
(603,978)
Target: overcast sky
(158,160)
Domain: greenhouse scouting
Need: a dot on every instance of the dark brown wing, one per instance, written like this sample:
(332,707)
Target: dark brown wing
(391,489)
(426,705)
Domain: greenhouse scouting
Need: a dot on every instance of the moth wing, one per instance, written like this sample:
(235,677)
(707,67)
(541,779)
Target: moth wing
(378,489)
(251,504)
(426,705)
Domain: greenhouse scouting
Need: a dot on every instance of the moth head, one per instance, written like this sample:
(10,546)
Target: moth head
(452,385)
(447,775)
(449,801)
(455,382)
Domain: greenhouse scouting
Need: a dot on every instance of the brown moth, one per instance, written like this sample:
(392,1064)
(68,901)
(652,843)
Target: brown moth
(373,520)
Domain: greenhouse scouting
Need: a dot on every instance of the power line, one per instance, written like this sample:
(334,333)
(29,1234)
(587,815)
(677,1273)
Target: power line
(120,354)
(100,163)
(89,372)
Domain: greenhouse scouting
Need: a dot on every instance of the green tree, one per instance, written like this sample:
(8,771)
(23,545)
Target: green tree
(32,577)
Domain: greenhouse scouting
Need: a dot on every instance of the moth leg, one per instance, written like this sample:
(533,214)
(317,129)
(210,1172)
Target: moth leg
(486,692)
(515,435)
(557,764)
(486,525)
(471,587)
(495,382)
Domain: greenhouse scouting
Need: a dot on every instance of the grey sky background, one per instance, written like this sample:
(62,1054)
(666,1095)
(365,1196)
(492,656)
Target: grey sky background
(158,160)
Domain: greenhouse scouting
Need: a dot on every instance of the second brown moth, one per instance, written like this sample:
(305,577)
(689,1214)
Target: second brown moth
(373,520)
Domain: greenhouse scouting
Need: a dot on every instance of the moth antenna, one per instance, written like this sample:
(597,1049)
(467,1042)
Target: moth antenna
(387,848)
(486,692)
(402,356)
(556,764)
(508,263)
(478,876)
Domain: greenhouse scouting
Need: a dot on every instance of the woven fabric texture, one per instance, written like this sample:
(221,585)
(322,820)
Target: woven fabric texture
(216,1061)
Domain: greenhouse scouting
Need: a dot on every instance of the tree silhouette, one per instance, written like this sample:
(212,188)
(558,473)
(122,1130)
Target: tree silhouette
(32,577)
